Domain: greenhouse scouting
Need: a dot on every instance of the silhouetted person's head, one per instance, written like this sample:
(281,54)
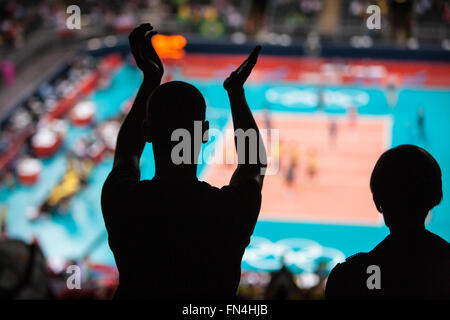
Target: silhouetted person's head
(406,184)
(173,106)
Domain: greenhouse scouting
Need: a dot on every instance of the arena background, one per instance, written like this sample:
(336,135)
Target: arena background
(338,93)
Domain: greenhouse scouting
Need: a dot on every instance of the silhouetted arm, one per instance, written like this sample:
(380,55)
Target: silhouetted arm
(130,141)
(252,158)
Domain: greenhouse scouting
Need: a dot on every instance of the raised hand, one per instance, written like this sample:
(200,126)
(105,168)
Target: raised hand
(145,55)
(238,77)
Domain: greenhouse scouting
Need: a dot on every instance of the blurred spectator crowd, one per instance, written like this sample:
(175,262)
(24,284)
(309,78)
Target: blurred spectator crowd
(16,128)
(223,18)
(26,273)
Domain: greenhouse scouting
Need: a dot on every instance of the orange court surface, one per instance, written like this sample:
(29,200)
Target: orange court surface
(329,182)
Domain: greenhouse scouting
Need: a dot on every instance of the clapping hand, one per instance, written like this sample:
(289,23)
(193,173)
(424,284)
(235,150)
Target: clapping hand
(238,77)
(145,55)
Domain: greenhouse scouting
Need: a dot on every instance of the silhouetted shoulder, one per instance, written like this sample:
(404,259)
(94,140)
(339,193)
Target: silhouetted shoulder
(439,265)
(347,278)
(247,193)
(436,242)
(417,269)
(243,198)
(236,206)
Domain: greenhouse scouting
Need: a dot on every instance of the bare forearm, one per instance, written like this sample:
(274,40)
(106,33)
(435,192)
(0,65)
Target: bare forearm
(242,116)
(243,120)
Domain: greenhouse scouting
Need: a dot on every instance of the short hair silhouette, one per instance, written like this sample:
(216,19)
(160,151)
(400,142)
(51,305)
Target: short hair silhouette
(173,105)
(406,184)
(406,180)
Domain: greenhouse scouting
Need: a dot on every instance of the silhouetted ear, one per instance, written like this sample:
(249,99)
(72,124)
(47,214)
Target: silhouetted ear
(147,131)
(205,133)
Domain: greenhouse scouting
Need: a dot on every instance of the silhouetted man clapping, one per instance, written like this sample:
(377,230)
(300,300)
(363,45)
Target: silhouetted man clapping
(175,236)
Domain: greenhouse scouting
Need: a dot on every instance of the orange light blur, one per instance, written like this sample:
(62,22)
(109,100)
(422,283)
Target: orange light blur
(169,46)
